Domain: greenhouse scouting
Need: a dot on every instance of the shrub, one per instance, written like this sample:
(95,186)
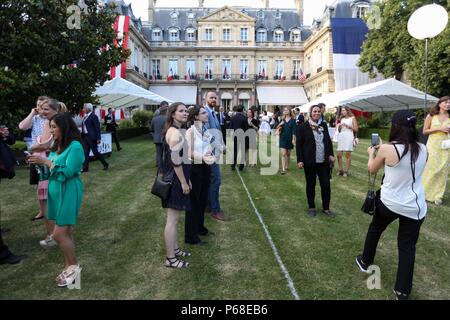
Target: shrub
(142,118)
(127,123)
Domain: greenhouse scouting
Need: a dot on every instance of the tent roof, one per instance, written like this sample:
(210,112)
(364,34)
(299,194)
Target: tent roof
(119,92)
(281,96)
(385,95)
(185,94)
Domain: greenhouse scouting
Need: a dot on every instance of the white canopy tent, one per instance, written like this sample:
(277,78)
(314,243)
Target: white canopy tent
(385,95)
(281,96)
(185,94)
(119,92)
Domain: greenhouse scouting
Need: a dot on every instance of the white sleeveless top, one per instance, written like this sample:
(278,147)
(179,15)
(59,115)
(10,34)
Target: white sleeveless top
(400,193)
(201,143)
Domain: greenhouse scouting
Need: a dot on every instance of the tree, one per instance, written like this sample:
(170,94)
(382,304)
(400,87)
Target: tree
(391,51)
(42,54)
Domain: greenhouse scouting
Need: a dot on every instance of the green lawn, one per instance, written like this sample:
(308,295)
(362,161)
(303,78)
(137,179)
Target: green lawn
(120,245)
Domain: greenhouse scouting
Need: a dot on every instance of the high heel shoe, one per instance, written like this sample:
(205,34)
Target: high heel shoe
(68,276)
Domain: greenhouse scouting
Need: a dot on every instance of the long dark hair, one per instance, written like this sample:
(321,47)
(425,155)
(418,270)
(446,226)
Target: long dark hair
(68,129)
(193,112)
(170,112)
(408,136)
(435,110)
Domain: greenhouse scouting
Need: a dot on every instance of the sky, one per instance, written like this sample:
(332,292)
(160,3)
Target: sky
(312,8)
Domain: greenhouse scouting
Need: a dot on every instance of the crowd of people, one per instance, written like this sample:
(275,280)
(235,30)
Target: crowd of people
(190,140)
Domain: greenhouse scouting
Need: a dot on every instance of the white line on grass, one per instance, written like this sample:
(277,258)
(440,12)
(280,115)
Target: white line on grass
(274,248)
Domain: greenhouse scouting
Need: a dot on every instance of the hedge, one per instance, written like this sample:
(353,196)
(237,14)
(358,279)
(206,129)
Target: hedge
(127,133)
(367,133)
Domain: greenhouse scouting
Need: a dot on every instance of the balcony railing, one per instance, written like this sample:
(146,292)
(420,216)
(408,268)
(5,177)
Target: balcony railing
(226,77)
(167,44)
(279,44)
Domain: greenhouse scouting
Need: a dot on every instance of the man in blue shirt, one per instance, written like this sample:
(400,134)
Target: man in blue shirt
(217,144)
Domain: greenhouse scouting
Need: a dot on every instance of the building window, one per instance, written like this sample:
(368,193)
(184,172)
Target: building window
(173,68)
(226,69)
(226,34)
(174,35)
(296,69)
(157,35)
(308,66)
(244,34)
(261,35)
(244,69)
(262,70)
(361,11)
(244,102)
(278,35)
(295,35)
(155,69)
(190,35)
(190,69)
(209,69)
(146,73)
(208,34)
(279,70)
(226,104)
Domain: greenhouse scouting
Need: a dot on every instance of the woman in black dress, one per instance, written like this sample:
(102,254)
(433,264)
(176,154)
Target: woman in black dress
(176,167)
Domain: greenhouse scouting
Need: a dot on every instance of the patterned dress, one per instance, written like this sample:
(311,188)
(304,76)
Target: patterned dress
(436,170)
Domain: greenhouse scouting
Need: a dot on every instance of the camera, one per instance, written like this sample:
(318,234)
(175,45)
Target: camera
(375,139)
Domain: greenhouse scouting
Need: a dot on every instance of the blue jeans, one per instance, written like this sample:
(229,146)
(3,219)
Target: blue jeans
(214,187)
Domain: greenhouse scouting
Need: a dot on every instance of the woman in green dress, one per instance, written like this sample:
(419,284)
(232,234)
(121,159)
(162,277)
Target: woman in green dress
(65,189)
(286,130)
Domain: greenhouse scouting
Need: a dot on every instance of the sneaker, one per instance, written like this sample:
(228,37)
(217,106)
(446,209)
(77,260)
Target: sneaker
(12,259)
(48,242)
(312,212)
(361,264)
(330,213)
(401,296)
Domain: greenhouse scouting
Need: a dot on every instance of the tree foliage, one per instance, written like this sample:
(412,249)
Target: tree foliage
(391,51)
(38,49)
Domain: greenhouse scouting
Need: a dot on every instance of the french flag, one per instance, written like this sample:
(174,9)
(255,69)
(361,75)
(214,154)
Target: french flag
(121,26)
(348,36)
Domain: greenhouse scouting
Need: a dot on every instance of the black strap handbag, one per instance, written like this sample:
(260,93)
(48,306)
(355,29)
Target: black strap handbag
(369,204)
(162,185)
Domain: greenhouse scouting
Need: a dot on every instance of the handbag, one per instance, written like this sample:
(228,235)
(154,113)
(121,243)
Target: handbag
(34,175)
(370,201)
(162,186)
(355,142)
(445,144)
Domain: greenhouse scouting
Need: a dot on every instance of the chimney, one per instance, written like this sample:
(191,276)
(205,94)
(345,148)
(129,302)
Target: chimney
(151,10)
(200,3)
(299,7)
(266,3)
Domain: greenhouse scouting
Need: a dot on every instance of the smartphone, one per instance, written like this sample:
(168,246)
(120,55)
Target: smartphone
(375,139)
(27,153)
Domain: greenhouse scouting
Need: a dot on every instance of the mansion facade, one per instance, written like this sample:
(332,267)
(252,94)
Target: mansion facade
(250,56)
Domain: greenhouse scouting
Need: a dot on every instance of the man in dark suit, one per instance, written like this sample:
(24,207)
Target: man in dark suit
(156,129)
(239,121)
(7,162)
(111,126)
(224,121)
(90,134)
(299,118)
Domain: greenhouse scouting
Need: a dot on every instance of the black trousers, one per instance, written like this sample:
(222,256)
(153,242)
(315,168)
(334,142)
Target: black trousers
(408,234)
(114,138)
(88,145)
(321,170)
(238,147)
(159,154)
(195,219)
(4,251)
(223,128)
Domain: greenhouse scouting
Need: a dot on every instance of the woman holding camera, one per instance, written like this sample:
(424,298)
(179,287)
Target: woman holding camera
(437,126)
(402,197)
(347,127)
(315,156)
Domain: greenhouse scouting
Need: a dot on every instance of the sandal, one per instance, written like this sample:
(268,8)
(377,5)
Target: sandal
(340,173)
(176,263)
(68,276)
(345,174)
(181,253)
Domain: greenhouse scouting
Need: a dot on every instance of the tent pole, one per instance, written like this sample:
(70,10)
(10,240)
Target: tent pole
(426,75)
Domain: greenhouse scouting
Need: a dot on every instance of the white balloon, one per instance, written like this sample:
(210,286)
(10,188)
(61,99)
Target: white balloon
(427,21)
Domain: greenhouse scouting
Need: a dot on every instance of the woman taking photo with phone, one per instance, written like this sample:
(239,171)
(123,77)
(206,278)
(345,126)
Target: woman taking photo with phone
(402,197)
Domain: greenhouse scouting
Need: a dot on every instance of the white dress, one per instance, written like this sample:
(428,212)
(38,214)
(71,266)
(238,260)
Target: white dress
(265,126)
(346,137)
